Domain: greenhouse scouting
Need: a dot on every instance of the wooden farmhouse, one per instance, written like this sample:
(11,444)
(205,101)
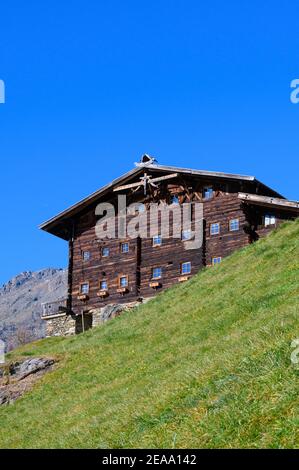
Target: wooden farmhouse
(236,210)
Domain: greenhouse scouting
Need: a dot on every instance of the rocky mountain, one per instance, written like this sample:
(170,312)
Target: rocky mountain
(20,304)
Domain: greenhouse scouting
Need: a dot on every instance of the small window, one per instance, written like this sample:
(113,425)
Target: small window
(86,255)
(208,192)
(270,220)
(141,208)
(216,260)
(124,247)
(157,273)
(186,268)
(105,251)
(186,235)
(215,229)
(175,199)
(234,225)
(84,288)
(135,209)
(123,281)
(157,240)
(104,285)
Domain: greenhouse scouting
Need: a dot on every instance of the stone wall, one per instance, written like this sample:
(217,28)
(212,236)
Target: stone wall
(60,325)
(66,325)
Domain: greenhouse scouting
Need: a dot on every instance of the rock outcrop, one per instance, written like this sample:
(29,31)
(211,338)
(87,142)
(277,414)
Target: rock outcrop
(18,378)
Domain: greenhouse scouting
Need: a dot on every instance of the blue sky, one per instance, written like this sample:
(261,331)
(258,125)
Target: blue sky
(90,86)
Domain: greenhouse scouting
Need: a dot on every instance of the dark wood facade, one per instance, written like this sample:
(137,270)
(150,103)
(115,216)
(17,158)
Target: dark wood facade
(106,271)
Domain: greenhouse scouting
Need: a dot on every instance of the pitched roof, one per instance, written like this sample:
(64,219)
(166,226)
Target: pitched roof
(82,204)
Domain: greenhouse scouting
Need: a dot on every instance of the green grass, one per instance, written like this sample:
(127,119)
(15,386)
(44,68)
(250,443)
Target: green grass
(204,365)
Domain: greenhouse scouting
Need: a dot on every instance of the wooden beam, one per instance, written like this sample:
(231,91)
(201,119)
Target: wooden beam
(164,178)
(128,186)
(148,179)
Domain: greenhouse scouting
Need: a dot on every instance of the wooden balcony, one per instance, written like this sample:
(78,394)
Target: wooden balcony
(57,307)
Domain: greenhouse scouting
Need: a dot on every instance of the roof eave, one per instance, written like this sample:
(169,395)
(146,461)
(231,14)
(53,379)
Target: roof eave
(85,201)
(267,201)
(216,174)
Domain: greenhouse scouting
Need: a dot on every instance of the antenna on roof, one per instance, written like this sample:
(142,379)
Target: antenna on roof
(146,160)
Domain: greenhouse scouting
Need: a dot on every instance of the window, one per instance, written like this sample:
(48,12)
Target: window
(157,273)
(270,220)
(84,288)
(123,281)
(234,225)
(215,229)
(86,255)
(104,285)
(105,251)
(186,268)
(124,247)
(208,192)
(157,240)
(175,199)
(141,208)
(216,260)
(186,235)
(136,208)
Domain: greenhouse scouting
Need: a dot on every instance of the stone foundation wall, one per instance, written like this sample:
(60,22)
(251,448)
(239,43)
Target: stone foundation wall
(60,325)
(66,325)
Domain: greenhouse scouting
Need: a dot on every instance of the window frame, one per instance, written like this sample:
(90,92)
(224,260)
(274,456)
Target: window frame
(123,276)
(182,268)
(212,233)
(83,253)
(207,190)
(231,221)
(161,273)
(102,251)
(176,197)
(86,283)
(270,217)
(104,288)
(160,240)
(124,252)
(141,208)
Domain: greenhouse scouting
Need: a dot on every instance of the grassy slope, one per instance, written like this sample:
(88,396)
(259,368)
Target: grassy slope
(205,364)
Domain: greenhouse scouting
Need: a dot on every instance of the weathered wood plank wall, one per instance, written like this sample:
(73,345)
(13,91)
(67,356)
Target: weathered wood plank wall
(142,257)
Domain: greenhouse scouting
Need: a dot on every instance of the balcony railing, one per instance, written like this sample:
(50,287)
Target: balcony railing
(54,308)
